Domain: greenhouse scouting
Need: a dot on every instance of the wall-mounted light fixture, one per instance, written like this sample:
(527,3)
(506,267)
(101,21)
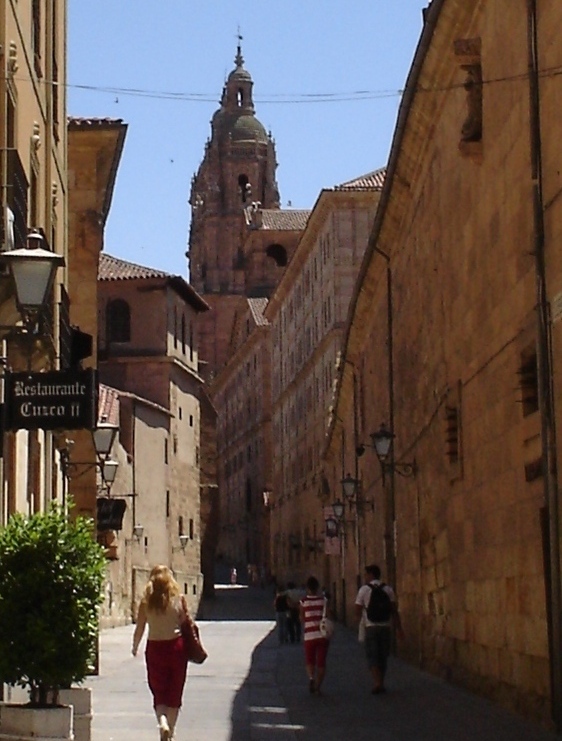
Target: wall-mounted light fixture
(103,437)
(183,543)
(33,269)
(138,532)
(352,493)
(382,442)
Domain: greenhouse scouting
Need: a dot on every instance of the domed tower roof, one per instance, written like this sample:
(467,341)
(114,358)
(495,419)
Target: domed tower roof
(236,117)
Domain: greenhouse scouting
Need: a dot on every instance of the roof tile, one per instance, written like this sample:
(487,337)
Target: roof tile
(108,405)
(113,268)
(278,219)
(371,181)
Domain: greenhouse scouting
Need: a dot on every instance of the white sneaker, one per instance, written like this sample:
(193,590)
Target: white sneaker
(164,728)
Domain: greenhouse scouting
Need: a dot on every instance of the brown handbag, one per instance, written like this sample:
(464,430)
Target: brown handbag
(192,645)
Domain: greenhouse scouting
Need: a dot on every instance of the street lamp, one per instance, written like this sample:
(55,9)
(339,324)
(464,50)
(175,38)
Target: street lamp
(33,269)
(104,436)
(138,531)
(349,485)
(183,543)
(338,508)
(382,443)
(109,471)
(352,492)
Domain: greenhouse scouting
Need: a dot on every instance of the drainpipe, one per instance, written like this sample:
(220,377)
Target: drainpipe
(551,528)
(390,520)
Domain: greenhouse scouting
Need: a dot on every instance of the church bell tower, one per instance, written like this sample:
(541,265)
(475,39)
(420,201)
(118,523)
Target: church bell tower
(238,168)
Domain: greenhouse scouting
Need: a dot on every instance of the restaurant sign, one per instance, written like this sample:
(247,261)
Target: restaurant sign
(65,400)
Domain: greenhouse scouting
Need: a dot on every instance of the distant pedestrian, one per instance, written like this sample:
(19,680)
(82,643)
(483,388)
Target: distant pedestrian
(163,609)
(312,609)
(233,575)
(294,596)
(376,608)
(281,613)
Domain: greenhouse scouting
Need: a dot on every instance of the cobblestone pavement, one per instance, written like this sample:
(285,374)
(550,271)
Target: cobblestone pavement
(252,689)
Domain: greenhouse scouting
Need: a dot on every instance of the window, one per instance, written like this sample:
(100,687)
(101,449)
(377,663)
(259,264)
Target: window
(245,188)
(36,35)
(118,321)
(167,503)
(55,72)
(34,199)
(180,525)
(191,529)
(529,382)
(183,334)
(278,254)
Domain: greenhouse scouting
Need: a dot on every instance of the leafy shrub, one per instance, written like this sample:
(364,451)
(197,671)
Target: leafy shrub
(51,578)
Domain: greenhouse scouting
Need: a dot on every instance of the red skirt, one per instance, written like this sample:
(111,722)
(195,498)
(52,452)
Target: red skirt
(166,668)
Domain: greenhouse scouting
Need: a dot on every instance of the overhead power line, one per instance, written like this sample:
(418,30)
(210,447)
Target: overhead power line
(294,98)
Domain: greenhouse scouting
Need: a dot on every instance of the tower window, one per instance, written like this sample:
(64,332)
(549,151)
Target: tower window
(245,187)
(278,253)
(240,97)
(118,321)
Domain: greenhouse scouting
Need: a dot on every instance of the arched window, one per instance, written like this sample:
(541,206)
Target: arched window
(278,253)
(118,318)
(191,341)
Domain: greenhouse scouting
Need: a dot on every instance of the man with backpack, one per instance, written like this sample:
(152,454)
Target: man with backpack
(376,605)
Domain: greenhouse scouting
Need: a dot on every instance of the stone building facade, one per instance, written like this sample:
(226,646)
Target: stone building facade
(33,182)
(147,348)
(95,146)
(241,395)
(461,358)
(307,314)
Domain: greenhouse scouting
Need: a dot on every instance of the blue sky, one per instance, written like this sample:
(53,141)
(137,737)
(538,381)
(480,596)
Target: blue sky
(176,54)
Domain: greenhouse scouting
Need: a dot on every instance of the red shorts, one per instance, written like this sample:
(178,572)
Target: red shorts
(315,652)
(166,668)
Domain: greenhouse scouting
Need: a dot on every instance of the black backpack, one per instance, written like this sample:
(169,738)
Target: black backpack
(379,609)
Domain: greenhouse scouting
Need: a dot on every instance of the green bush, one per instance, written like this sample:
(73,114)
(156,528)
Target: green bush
(51,577)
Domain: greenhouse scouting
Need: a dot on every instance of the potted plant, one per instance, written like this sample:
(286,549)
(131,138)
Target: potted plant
(51,578)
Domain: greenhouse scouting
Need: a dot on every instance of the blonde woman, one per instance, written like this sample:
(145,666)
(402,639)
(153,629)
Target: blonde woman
(163,609)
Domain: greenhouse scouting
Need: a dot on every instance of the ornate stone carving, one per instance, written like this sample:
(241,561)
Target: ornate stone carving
(468,53)
(12,63)
(36,137)
(472,128)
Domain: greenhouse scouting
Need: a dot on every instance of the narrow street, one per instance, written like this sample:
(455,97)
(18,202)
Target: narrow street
(252,689)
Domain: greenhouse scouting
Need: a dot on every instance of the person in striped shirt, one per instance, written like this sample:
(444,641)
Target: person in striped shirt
(315,645)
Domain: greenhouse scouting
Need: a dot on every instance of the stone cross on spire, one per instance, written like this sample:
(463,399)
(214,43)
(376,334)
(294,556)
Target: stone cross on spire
(239,59)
